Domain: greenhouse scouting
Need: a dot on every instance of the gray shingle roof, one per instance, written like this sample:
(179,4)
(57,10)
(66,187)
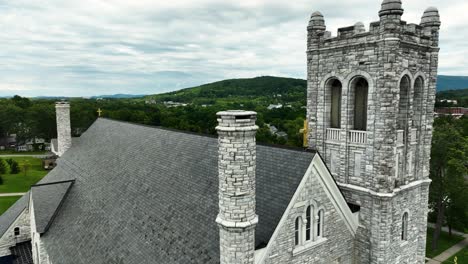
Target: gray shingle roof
(47,199)
(150,195)
(10,215)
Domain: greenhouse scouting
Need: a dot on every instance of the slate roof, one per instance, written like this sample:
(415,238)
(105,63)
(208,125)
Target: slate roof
(47,199)
(10,215)
(150,195)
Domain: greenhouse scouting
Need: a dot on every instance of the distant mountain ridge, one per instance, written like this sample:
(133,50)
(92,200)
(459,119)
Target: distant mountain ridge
(446,82)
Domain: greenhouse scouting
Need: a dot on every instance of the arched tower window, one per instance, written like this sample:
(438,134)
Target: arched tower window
(17,231)
(297,231)
(404,103)
(334,108)
(360,88)
(320,223)
(404,226)
(308,233)
(418,101)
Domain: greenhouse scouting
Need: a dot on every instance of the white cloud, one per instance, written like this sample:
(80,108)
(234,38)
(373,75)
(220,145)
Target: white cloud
(85,47)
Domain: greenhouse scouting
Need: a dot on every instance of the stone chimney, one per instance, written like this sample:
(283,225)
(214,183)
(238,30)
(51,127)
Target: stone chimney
(62,110)
(236,165)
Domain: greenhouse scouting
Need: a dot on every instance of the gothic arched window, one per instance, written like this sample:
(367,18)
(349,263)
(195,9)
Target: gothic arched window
(308,230)
(418,101)
(404,226)
(404,103)
(360,89)
(17,231)
(320,222)
(334,89)
(297,231)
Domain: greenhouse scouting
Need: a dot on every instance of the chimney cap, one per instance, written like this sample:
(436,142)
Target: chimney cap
(236,120)
(236,113)
(62,103)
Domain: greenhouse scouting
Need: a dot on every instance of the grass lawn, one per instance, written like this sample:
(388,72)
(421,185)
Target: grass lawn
(6,202)
(445,242)
(22,181)
(462,257)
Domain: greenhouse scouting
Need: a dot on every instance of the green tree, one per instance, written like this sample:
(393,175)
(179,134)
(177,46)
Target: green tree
(449,157)
(14,167)
(3,167)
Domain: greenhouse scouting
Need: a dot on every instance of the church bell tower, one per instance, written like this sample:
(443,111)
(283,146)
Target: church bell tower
(370,105)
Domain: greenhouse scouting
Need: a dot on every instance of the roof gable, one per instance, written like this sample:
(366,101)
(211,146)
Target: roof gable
(10,215)
(319,170)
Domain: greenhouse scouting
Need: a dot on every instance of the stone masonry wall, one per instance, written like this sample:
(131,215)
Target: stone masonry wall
(9,239)
(337,244)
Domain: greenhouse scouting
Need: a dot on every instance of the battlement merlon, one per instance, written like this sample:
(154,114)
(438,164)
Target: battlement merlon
(425,34)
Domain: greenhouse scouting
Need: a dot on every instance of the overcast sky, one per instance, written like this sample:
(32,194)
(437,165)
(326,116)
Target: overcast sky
(92,47)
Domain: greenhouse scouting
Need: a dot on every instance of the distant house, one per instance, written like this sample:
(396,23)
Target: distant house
(456,112)
(8,142)
(449,101)
(282,134)
(173,104)
(274,106)
(273,129)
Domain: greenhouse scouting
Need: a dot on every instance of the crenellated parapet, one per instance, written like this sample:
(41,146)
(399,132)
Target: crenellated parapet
(390,25)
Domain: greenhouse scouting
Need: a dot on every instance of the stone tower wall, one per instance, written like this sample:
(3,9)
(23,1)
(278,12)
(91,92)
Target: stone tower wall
(236,165)
(385,168)
(62,110)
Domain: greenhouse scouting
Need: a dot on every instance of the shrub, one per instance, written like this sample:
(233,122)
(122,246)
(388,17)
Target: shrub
(14,168)
(3,167)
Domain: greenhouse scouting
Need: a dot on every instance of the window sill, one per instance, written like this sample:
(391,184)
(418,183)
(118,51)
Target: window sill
(308,245)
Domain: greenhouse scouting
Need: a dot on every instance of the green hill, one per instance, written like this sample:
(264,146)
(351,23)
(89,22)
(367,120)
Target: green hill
(266,88)
(263,88)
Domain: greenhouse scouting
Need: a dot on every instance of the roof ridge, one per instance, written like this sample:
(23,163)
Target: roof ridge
(299,149)
(51,183)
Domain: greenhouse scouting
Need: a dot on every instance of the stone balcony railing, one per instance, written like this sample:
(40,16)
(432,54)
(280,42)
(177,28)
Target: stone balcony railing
(354,136)
(333,134)
(357,137)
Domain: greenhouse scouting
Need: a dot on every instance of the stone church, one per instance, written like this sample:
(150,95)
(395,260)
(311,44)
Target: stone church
(129,193)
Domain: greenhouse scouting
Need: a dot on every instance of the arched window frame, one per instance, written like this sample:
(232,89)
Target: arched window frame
(418,99)
(320,222)
(298,231)
(404,101)
(309,234)
(333,93)
(353,103)
(404,226)
(16,231)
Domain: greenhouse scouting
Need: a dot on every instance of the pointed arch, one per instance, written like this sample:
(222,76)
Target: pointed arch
(404,102)
(418,101)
